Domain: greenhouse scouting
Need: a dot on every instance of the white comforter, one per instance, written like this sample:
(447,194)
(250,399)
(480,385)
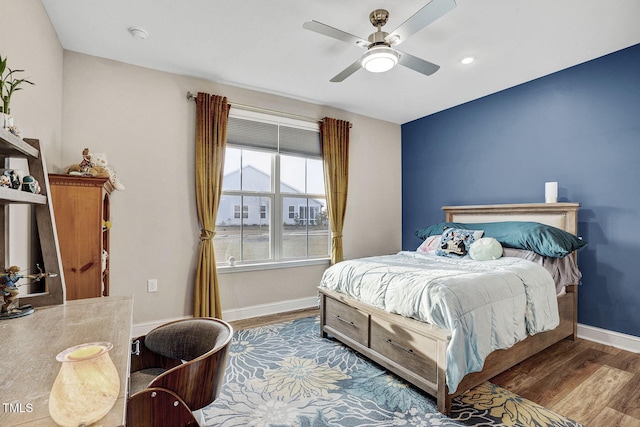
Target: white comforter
(487,305)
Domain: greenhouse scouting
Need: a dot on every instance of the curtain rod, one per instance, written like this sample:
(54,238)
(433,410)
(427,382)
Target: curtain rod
(192,97)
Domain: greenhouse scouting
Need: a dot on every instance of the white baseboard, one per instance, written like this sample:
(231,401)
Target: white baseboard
(140,329)
(267,309)
(612,338)
(236,314)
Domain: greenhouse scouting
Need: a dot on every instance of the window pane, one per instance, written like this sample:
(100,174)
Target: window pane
(292,174)
(256,171)
(318,234)
(307,234)
(315,177)
(242,229)
(228,231)
(231,180)
(300,175)
(246,170)
(256,243)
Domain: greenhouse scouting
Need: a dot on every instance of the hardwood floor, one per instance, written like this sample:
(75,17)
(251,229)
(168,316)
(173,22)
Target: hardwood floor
(274,318)
(594,384)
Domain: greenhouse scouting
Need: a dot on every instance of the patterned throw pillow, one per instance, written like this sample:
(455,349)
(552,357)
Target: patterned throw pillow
(455,242)
(430,245)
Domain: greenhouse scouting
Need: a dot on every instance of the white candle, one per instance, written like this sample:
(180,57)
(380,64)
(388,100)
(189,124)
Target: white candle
(550,192)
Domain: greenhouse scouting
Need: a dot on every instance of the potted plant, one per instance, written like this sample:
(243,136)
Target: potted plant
(8,85)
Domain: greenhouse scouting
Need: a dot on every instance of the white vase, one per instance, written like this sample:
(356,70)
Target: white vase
(6,121)
(86,387)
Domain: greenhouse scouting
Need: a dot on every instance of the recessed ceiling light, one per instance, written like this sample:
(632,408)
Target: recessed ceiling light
(138,33)
(467,60)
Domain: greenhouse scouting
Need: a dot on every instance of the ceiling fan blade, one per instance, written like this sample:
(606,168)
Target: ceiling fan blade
(417,64)
(347,71)
(425,16)
(326,30)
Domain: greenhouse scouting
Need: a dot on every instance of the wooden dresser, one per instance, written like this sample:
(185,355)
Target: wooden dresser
(81,207)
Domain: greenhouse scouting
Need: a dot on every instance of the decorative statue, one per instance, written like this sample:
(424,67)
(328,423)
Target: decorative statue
(9,290)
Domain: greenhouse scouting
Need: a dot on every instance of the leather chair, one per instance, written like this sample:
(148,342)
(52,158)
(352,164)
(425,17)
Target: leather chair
(176,369)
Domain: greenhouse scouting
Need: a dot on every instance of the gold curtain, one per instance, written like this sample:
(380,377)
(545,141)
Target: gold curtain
(334,135)
(212,114)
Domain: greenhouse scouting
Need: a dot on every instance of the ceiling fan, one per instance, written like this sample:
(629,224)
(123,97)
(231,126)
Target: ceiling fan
(381,54)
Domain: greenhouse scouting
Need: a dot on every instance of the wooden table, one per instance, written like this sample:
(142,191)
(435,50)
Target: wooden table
(28,349)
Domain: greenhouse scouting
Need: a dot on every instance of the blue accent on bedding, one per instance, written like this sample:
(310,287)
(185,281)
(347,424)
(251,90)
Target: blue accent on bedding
(487,305)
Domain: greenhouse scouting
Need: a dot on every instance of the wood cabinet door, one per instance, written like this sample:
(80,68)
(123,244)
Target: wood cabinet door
(79,214)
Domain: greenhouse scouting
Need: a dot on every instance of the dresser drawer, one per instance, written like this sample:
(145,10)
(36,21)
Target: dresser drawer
(349,321)
(405,347)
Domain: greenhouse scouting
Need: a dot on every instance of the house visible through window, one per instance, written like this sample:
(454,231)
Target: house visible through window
(236,211)
(273,204)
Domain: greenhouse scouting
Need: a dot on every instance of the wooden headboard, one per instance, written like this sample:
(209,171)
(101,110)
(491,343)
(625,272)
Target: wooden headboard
(560,215)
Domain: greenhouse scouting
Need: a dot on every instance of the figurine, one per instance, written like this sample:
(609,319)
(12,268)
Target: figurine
(31,185)
(9,291)
(10,179)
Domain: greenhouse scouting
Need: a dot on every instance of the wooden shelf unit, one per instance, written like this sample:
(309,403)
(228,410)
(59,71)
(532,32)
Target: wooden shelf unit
(81,205)
(12,146)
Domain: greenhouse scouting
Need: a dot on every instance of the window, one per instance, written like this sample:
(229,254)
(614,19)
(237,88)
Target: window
(273,204)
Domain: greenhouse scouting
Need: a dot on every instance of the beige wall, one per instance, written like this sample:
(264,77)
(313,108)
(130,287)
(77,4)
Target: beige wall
(29,41)
(142,120)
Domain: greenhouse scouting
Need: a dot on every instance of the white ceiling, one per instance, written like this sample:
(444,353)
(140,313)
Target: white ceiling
(261,45)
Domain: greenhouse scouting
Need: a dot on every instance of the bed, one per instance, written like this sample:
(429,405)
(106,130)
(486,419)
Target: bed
(423,353)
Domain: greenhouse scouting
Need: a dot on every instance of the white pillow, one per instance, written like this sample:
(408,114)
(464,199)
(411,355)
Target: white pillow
(430,245)
(485,249)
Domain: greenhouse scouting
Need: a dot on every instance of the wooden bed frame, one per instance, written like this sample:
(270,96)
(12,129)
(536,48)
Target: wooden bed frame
(415,350)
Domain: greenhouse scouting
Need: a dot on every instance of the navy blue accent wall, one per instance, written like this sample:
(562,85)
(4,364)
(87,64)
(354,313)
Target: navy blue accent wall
(580,127)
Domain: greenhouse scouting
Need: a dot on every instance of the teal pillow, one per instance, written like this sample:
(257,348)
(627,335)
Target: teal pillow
(533,236)
(437,229)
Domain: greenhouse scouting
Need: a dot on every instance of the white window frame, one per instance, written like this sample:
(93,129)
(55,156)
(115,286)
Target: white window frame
(275,214)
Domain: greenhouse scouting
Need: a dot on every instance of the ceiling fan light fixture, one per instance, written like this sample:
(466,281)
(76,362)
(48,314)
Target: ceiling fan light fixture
(379,59)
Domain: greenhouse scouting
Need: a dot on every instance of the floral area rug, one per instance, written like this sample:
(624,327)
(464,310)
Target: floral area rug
(287,375)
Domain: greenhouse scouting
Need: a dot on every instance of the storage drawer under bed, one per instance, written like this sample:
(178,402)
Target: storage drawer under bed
(346,320)
(405,347)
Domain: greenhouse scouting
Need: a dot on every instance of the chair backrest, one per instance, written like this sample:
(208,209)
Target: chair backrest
(187,339)
(203,344)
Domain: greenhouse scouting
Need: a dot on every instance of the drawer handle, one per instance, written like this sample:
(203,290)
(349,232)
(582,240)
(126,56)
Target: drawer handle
(345,321)
(408,350)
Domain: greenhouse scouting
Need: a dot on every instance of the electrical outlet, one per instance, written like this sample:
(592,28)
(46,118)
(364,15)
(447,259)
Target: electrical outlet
(152,285)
